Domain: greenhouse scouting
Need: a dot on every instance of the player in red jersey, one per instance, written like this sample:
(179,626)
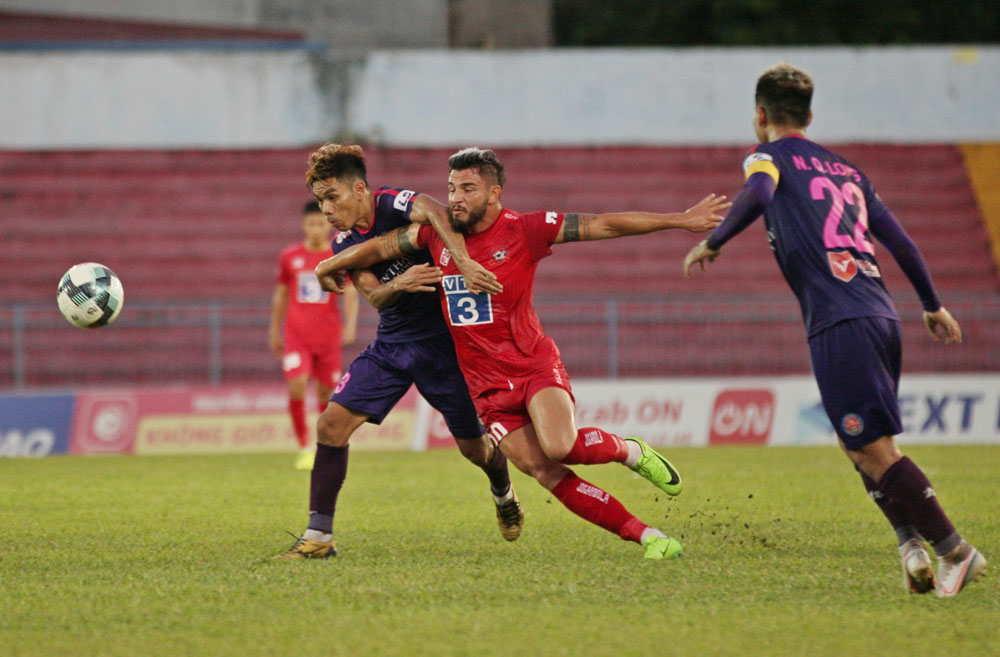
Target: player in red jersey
(305,330)
(514,370)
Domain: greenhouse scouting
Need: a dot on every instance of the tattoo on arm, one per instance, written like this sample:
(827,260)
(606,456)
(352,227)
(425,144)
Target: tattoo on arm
(576,227)
(397,243)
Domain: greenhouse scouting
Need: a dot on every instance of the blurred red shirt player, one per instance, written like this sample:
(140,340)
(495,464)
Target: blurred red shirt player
(306,331)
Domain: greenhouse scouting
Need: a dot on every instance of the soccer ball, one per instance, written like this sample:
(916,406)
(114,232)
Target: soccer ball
(90,295)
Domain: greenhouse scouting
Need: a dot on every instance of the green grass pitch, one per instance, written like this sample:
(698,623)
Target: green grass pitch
(784,555)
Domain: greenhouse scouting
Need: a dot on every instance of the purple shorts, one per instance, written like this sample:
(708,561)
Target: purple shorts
(857,364)
(384,371)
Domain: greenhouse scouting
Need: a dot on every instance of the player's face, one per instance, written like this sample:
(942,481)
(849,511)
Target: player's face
(316,229)
(342,203)
(468,198)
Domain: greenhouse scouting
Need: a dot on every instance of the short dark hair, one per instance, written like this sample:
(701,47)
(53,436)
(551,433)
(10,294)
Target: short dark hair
(785,93)
(483,160)
(310,207)
(340,161)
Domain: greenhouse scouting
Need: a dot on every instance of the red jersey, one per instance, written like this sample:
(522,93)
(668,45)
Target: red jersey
(498,338)
(312,312)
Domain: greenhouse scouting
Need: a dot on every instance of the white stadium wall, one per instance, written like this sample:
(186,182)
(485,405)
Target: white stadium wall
(218,99)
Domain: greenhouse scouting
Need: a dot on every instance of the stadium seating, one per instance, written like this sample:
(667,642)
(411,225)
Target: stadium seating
(206,226)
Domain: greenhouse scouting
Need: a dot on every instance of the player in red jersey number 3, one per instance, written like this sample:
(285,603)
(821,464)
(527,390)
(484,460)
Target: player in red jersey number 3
(514,371)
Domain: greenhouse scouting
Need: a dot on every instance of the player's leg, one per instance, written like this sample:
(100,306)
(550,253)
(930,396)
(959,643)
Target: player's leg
(326,371)
(527,448)
(367,392)
(297,364)
(438,378)
(552,412)
(859,394)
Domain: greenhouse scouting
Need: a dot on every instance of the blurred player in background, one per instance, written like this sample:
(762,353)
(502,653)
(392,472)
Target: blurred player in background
(412,344)
(514,371)
(821,213)
(306,332)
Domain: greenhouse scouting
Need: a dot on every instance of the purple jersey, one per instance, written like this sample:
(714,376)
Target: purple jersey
(416,315)
(817,224)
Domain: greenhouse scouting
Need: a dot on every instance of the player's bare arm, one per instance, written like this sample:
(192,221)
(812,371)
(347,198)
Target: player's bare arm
(426,210)
(419,278)
(279,308)
(389,246)
(349,331)
(706,215)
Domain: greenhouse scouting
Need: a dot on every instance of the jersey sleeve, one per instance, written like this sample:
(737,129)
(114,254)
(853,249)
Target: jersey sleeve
(285,275)
(759,161)
(540,231)
(394,203)
(425,236)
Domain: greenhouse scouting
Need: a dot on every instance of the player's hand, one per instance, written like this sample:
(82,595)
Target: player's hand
(478,278)
(942,325)
(706,215)
(698,255)
(418,278)
(331,280)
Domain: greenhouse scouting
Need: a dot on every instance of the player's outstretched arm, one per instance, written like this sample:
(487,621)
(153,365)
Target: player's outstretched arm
(427,210)
(389,246)
(943,326)
(706,215)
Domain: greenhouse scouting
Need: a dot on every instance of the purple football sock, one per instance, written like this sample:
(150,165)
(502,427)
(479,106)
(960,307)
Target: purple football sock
(909,490)
(905,530)
(328,473)
(497,471)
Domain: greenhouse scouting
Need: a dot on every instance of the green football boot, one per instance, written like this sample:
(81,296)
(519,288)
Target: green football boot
(662,547)
(656,469)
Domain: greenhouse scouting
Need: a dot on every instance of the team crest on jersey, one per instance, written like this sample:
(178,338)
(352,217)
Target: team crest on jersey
(298,262)
(500,254)
(842,265)
(445,257)
(852,424)
(342,235)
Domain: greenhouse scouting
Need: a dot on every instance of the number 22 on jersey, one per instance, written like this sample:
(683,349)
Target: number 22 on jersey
(839,215)
(464,307)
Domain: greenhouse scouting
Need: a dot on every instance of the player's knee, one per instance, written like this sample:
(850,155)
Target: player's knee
(331,432)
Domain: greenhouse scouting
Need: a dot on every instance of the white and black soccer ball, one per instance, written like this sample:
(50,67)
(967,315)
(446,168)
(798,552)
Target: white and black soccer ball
(90,295)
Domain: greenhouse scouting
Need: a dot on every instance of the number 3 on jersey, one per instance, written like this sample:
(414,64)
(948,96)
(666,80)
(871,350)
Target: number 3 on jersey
(464,307)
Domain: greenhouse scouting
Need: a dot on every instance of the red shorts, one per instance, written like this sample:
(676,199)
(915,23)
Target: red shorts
(503,410)
(301,359)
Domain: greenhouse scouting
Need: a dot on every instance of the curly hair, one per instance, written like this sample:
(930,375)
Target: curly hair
(785,92)
(341,161)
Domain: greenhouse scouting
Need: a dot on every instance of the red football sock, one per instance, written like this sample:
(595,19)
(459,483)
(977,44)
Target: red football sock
(297,409)
(595,445)
(599,507)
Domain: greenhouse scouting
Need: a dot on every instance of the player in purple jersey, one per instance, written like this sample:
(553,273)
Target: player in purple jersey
(412,345)
(821,214)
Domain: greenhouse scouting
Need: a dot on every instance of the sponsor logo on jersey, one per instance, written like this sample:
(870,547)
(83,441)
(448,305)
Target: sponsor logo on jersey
(551,217)
(342,235)
(852,424)
(500,254)
(742,417)
(842,265)
(402,198)
(869,269)
(445,257)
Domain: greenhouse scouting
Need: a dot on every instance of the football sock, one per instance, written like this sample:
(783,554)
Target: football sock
(497,471)
(650,531)
(909,490)
(900,523)
(595,445)
(599,507)
(317,535)
(328,474)
(297,409)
